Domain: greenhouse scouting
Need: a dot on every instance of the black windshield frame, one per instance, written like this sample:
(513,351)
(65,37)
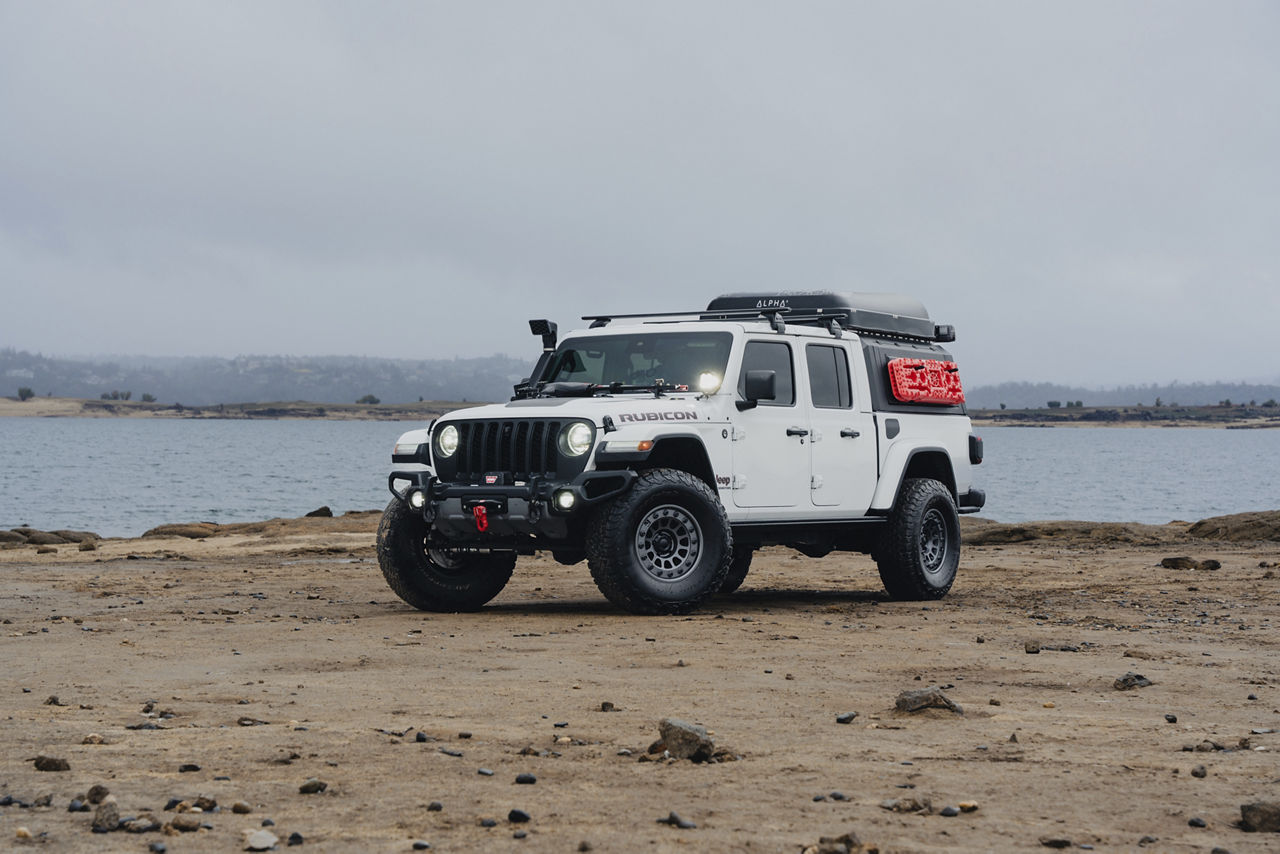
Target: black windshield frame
(641,358)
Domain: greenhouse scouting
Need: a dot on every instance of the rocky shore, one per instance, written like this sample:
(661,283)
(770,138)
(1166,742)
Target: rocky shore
(250,687)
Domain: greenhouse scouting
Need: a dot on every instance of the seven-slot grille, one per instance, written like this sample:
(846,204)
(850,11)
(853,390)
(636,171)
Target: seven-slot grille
(518,449)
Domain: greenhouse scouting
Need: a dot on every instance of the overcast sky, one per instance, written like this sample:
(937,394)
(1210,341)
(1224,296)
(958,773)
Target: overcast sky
(1089,192)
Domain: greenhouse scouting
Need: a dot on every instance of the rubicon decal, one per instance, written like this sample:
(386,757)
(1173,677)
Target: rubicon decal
(658,416)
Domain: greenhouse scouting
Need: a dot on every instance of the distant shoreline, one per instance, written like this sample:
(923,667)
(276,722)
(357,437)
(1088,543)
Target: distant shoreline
(1229,417)
(69,407)
(1221,417)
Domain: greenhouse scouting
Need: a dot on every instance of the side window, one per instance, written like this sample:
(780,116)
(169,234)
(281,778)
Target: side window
(770,356)
(829,376)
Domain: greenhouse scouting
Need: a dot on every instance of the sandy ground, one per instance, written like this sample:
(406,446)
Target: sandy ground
(282,656)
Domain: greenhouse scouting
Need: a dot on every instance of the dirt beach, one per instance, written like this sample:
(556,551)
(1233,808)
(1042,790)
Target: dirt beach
(240,665)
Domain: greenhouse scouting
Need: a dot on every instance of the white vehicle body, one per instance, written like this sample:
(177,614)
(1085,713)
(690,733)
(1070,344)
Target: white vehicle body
(811,451)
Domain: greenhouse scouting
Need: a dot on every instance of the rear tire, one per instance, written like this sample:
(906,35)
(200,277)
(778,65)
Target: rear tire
(662,547)
(431,577)
(919,551)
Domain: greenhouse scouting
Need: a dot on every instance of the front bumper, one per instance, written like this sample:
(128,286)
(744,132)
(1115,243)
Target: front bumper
(499,514)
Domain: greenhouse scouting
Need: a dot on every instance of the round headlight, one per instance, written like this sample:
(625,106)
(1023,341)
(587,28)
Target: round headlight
(447,441)
(575,439)
(708,382)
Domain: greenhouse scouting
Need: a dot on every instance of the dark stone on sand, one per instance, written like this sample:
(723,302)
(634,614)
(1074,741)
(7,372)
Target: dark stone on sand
(106,818)
(526,779)
(77,805)
(846,718)
(1197,822)
(684,740)
(50,763)
(1055,842)
(295,838)
(97,793)
(1130,681)
(1173,719)
(188,767)
(926,698)
(949,812)
(421,846)
(673,818)
(435,806)
(320,513)
(518,817)
(1199,772)
(1260,817)
(312,787)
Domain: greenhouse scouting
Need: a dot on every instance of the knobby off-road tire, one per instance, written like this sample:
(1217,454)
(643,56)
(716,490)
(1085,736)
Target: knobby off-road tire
(431,578)
(919,551)
(739,566)
(663,547)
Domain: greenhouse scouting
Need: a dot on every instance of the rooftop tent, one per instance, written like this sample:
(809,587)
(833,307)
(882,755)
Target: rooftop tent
(889,314)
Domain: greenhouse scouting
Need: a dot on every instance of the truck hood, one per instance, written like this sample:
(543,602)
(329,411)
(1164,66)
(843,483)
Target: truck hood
(622,409)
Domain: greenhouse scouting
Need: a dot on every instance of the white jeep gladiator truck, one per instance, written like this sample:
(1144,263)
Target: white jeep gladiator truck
(664,449)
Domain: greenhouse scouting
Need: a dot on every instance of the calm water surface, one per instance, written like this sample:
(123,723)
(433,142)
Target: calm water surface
(119,477)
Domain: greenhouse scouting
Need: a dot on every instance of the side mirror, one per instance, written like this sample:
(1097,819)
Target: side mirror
(759,385)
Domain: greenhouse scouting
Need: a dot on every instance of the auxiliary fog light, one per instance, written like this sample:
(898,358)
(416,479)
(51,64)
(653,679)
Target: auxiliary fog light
(417,499)
(565,500)
(708,382)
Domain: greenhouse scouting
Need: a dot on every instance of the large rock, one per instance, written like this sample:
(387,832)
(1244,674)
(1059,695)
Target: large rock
(684,740)
(1260,817)
(12,537)
(44,538)
(193,531)
(1239,528)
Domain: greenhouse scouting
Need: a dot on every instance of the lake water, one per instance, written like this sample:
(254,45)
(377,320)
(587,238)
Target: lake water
(119,477)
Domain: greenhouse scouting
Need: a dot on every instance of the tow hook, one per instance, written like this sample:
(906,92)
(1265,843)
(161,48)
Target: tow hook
(481,515)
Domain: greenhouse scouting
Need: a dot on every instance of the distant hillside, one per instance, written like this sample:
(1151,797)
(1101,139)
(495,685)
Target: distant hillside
(197,381)
(1038,395)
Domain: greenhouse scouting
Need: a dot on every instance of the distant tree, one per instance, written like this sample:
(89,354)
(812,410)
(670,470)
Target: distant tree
(369,399)
(25,393)
(125,395)
(1054,404)
(1079,404)
(1269,403)
(106,395)
(148,398)
(1002,406)
(1226,402)
(1158,403)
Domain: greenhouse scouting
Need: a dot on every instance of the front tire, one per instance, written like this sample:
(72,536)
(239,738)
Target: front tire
(739,566)
(431,577)
(919,552)
(663,547)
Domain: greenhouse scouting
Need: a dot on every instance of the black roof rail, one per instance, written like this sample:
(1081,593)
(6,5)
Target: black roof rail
(877,314)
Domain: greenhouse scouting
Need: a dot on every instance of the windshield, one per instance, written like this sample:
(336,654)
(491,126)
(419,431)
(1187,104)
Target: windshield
(676,358)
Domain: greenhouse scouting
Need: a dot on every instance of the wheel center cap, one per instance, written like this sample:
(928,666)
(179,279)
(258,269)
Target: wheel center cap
(664,544)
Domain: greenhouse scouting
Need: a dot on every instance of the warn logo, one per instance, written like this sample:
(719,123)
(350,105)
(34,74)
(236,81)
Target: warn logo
(658,416)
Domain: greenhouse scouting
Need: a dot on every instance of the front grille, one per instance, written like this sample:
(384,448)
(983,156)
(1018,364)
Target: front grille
(517,449)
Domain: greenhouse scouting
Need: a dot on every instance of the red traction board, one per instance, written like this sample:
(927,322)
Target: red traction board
(926,381)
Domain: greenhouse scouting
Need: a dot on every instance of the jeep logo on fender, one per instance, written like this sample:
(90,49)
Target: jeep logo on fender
(658,416)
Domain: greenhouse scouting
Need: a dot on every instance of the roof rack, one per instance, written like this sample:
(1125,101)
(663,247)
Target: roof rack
(875,313)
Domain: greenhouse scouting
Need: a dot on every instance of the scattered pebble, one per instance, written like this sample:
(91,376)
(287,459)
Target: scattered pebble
(949,812)
(1197,822)
(485,772)
(846,718)
(260,840)
(526,779)
(927,698)
(518,817)
(1199,772)
(435,806)
(1260,817)
(1173,719)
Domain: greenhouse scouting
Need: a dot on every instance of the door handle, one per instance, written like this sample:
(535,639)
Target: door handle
(849,433)
(797,431)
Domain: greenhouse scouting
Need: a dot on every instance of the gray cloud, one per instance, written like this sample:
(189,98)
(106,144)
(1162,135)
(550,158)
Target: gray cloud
(1089,191)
